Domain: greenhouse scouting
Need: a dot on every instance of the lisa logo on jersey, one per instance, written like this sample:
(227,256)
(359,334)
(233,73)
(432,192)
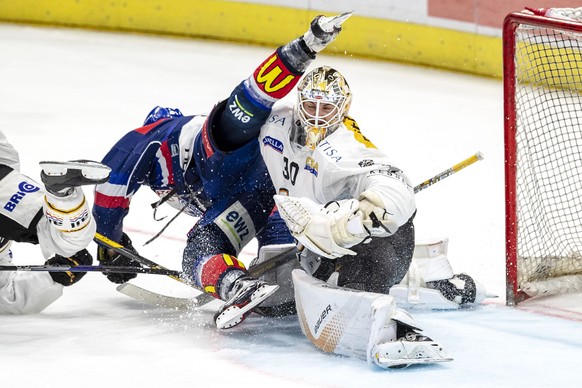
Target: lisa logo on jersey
(275,144)
(327,149)
(311,165)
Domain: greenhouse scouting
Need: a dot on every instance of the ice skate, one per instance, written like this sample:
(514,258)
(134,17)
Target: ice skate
(246,294)
(461,289)
(58,176)
(410,349)
(431,284)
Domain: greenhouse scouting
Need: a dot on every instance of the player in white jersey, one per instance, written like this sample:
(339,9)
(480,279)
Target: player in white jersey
(57,219)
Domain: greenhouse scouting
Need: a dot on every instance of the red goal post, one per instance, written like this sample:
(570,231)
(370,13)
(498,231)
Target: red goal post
(542,59)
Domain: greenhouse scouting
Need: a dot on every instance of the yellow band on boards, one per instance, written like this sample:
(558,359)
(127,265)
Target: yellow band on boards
(269,25)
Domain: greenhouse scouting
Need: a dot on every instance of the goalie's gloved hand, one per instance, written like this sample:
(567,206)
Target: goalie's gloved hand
(325,230)
(375,218)
(110,257)
(82,257)
(323,31)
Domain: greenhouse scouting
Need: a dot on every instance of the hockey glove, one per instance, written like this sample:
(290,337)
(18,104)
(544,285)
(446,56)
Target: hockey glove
(110,257)
(374,216)
(323,31)
(82,257)
(326,230)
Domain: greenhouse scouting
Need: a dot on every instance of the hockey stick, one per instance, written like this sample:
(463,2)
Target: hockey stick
(167,301)
(157,299)
(161,300)
(108,243)
(138,292)
(89,268)
(456,168)
(254,271)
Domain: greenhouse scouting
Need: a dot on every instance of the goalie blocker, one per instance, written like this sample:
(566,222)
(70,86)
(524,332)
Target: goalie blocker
(361,324)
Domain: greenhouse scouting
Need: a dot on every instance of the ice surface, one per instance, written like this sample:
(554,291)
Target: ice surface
(70,94)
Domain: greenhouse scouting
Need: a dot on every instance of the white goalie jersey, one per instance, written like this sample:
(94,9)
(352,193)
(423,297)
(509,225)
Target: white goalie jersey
(342,166)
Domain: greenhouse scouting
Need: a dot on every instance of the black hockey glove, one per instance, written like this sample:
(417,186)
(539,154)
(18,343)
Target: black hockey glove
(82,257)
(110,257)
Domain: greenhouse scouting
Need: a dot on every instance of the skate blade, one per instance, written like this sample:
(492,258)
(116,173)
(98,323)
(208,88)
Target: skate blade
(234,315)
(90,170)
(403,363)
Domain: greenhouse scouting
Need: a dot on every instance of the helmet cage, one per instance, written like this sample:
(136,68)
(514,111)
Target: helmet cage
(324,99)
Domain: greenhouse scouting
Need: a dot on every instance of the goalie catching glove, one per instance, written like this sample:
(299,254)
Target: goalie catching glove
(326,230)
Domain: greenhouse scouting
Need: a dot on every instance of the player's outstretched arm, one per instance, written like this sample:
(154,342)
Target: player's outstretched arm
(238,120)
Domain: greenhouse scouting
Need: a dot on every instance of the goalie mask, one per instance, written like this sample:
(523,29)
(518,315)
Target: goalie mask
(323,100)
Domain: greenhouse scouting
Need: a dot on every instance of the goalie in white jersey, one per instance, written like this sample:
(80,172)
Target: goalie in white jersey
(59,220)
(342,198)
(336,189)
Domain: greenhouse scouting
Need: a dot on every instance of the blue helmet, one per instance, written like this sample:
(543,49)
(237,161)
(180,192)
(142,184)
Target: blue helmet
(159,113)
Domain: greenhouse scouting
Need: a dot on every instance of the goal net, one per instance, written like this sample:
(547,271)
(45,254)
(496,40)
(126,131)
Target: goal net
(543,152)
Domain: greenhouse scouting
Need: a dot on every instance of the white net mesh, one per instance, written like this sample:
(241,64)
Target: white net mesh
(548,71)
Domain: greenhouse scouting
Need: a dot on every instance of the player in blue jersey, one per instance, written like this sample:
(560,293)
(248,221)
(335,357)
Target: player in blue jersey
(222,178)
(177,157)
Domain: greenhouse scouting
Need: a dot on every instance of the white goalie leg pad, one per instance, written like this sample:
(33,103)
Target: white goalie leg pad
(421,298)
(67,226)
(336,320)
(359,324)
(384,328)
(430,258)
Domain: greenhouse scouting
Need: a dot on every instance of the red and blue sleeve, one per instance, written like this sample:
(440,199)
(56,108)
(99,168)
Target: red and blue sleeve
(131,161)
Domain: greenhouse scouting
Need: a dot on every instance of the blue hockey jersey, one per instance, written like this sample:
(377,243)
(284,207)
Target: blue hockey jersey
(178,159)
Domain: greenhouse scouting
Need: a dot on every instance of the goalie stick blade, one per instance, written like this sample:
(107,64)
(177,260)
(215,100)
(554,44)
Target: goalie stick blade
(161,300)
(329,23)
